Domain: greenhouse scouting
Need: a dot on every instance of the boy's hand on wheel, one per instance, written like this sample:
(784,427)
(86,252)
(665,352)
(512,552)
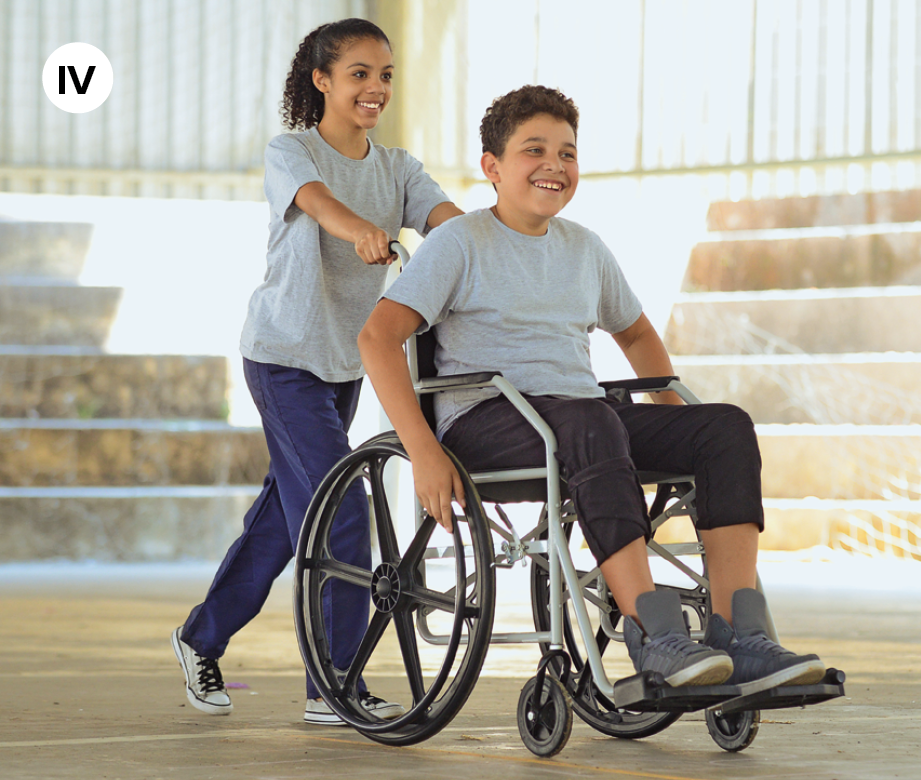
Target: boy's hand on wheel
(437,483)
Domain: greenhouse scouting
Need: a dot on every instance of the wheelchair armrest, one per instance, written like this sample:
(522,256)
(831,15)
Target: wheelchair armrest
(436,384)
(649,384)
(653,384)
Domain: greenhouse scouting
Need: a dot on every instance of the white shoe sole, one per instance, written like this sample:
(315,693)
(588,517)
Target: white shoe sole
(204,706)
(806,673)
(709,671)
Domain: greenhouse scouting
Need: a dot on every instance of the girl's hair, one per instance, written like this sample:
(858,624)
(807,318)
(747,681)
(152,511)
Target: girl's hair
(509,112)
(302,106)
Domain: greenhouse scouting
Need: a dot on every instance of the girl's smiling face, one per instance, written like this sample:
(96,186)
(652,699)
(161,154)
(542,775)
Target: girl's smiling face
(537,174)
(359,87)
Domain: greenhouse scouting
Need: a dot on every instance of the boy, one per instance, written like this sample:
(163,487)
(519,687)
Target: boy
(517,289)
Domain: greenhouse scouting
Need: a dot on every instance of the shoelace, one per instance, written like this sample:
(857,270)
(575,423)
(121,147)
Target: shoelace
(209,675)
(369,700)
(674,644)
(761,644)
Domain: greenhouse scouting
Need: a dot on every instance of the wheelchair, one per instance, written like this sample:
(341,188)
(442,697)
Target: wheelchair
(440,588)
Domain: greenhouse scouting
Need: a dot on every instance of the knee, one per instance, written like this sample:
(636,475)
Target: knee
(731,427)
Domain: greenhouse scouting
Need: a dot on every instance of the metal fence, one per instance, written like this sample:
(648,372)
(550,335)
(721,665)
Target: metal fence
(194,101)
(767,96)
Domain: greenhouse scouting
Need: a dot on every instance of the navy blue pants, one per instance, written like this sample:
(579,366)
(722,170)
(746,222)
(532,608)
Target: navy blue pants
(602,442)
(306,421)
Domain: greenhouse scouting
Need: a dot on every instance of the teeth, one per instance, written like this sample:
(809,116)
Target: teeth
(547,185)
(369,105)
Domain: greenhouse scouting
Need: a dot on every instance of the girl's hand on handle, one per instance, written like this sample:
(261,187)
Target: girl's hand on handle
(437,483)
(373,246)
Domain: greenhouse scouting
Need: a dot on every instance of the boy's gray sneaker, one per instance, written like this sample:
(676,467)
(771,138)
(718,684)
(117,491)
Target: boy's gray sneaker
(667,648)
(760,663)
(204,685)
(319,713)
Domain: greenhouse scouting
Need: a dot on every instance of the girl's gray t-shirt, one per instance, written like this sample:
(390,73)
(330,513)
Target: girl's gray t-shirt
(524,305)
(317,292)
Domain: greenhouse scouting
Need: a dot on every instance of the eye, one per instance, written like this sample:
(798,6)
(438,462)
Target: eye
(387,76)
(359,74)
(569,155)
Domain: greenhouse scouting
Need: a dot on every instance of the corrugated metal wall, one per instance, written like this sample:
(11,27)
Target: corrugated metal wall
(195,98)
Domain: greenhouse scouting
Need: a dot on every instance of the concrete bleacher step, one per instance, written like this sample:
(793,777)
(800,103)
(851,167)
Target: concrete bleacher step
(790,259)
(56,313)
(121,523)
(842,462)
(45,453)
(862,208)
(76,382)
(800,388)
(50,250)
(852,320)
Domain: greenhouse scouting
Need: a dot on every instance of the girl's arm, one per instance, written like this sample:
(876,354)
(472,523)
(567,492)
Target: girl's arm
(371,243)
(381,345)
(442,213)
(647,355)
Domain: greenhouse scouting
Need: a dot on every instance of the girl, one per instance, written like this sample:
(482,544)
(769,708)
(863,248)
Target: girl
(335,200)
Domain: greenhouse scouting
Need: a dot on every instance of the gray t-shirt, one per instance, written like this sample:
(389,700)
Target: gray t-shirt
(317,292)
(500,300)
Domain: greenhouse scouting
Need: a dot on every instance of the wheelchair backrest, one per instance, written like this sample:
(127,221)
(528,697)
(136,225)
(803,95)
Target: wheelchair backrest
(424,347)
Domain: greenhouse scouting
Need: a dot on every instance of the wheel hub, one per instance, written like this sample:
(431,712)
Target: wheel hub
(385,587)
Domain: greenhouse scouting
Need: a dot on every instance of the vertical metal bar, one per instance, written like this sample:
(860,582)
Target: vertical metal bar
(868,83)
(893,77)
(640,87)
(822,83)
(798,86)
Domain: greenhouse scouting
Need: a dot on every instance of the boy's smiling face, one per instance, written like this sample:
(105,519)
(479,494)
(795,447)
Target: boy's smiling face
(537,174)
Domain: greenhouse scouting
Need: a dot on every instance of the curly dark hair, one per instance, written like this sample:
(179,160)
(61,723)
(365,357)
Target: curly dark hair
(303,104)
(510,111)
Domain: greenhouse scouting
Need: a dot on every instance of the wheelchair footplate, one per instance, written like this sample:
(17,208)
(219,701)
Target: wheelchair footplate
(782,696)
(648,692)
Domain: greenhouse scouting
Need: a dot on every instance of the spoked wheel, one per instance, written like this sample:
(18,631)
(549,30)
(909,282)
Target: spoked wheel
(448,593)
(545,723)
(589,703)
(735,731)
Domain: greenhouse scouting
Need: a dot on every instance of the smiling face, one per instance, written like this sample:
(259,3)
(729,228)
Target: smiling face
(358,87)
(537,174)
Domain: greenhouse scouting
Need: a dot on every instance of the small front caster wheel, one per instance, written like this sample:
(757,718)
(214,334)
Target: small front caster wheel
(545,725)
(735,731)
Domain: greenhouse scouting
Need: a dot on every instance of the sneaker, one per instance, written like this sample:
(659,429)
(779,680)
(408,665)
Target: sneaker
(666,646)
(319,713)
(204,685)
(760,663)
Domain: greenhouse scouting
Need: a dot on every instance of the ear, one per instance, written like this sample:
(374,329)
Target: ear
(489,165)
(320,80)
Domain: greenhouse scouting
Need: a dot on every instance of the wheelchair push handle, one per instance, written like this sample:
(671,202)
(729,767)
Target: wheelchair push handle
(400,251)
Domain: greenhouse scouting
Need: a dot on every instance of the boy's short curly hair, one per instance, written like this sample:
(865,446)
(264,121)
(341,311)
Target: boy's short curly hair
(510,111)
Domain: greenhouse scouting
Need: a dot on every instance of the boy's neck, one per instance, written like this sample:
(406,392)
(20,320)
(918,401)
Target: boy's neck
(528,224)
(351,143)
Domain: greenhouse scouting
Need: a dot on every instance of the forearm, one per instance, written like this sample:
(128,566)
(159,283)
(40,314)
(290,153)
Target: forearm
(385,363)
(647,356)
(337,219)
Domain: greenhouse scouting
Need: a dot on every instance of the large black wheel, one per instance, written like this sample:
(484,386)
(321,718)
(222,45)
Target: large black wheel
(589,703)
(428,581)
(544,722)
(735,731)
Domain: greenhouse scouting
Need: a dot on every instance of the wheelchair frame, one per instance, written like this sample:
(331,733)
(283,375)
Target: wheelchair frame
(545,705)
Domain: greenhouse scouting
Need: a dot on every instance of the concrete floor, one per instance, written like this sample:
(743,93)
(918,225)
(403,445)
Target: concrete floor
(89,688)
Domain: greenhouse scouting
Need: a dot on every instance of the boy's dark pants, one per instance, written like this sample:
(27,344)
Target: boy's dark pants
(602,442)
(306,422)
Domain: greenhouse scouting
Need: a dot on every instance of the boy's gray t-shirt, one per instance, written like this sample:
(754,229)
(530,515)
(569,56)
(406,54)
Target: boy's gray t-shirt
(500,300)
(317,292)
